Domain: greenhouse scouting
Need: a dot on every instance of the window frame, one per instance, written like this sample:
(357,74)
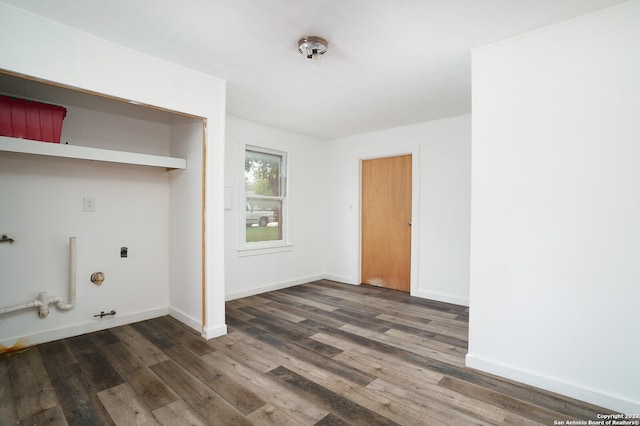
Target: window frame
(271,246)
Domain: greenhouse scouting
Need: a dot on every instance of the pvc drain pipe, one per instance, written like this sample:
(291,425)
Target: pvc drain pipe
(43,301)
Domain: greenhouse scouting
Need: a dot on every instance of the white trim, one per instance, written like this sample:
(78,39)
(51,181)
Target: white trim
(97,324)
(272,287)
(552,384)
(260,250)
(187,320)
(213,332)
(462,301)
(341,279)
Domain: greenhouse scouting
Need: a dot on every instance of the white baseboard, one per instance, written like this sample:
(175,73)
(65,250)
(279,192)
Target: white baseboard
(441,297)
(196,324)
(187,320)
(550,384)
(341,279)
(422,294)
(87,327)
(271,287)
(213,332)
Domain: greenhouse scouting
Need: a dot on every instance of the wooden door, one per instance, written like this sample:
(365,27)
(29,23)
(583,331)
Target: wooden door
(386,222)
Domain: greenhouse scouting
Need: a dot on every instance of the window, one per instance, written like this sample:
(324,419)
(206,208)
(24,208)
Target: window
(265,197)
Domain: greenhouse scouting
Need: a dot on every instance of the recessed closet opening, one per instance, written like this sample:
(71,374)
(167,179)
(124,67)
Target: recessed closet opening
(141,171)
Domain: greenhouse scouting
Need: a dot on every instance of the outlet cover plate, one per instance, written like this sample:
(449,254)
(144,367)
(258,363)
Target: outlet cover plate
(89,204)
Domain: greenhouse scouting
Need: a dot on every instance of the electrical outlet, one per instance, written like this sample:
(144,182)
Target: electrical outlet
(89,204)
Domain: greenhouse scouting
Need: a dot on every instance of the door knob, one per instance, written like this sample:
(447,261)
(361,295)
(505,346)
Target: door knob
(408,223)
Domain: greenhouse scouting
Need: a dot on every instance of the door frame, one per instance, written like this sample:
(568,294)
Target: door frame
(385,152)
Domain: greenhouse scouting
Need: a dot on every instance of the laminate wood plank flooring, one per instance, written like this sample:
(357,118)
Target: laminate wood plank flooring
(320,353)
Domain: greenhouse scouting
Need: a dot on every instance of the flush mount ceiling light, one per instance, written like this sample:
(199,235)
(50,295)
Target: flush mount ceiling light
(312,46)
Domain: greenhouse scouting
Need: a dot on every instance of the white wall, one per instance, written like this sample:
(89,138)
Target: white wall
(37,47)
(555,268)
(185,289)
(308,172)
(441,183)
(42,206)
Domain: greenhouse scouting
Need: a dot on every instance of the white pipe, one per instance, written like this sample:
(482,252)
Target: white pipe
(43,301)
(60,304)
(13,308)
(43,307)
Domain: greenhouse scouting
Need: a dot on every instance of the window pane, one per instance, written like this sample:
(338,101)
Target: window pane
(263,220)
(262,174)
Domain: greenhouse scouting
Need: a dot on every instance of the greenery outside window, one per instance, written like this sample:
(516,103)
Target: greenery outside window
(265,197)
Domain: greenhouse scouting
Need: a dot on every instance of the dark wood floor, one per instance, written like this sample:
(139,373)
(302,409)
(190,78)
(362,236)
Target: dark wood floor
(321,353)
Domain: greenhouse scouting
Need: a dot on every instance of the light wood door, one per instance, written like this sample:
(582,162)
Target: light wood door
(386,222)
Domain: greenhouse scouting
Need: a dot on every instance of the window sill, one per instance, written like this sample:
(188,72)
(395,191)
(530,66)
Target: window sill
(257,251)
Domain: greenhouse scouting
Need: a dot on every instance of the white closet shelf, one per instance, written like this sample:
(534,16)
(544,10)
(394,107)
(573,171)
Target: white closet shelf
(25,146)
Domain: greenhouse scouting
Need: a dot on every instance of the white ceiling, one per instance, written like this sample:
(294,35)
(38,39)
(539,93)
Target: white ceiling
(390,62)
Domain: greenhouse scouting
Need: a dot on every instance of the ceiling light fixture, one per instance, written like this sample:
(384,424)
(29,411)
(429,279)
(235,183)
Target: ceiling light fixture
(312,46)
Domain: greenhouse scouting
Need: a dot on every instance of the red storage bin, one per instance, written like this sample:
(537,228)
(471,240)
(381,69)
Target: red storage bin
(20,118)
